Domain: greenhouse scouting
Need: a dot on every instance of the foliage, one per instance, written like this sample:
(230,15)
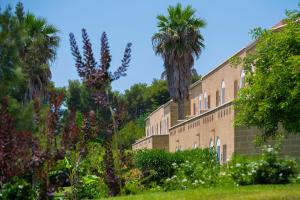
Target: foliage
(271,96)
(131,131)
(193,165)
(18,189)
(155,164)
(98,79)
(199,168)
(15,154)
(92,187)
(178,41)
(269,168)
(24,72)
(143,99)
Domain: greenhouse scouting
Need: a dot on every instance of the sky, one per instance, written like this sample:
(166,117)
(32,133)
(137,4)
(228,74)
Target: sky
(227,30)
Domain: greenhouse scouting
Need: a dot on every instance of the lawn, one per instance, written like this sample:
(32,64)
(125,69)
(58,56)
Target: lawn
(263,192)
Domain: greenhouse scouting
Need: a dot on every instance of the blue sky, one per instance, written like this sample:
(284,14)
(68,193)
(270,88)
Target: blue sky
(228,25)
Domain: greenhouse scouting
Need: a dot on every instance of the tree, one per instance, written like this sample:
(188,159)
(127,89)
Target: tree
(271,96)
(27,46)
(98,79)
(179,41)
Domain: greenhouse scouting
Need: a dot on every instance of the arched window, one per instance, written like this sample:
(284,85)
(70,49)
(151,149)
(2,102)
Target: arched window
(195,145)
(211,144)
(218,148)
(205,100)
(223,92)
(242,80)
(200,102)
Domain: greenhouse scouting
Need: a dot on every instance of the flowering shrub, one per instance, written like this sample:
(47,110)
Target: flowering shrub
(192,174)
(269,168)
(273,169)
(242,170)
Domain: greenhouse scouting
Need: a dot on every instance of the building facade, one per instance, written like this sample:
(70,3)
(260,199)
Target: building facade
(210,117)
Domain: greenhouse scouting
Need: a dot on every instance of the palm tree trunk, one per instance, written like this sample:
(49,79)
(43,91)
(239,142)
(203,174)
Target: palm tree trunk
(181,109)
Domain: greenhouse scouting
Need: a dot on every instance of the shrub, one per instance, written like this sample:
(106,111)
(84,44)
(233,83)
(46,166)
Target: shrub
(154,164)
(242,169)
(91,187)
(269,168)
(193,167)
(133,186)
(18,188)
(275,170)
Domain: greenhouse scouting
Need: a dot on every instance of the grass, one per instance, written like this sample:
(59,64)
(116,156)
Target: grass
(261,192)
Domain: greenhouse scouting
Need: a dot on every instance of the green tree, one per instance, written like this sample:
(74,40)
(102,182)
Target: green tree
(179,41)
(271,96)
(27,45)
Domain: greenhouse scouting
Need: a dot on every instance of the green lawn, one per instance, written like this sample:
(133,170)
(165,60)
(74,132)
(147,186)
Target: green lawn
(291,191)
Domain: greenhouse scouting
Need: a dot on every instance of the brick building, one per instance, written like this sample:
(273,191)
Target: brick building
(209,117)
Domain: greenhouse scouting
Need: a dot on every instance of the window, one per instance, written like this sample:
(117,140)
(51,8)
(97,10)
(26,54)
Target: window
(195,145)
(156,129)
(242,80)
(194,108)
(211,144)
(224,153)
(218,148)
(208,102)
(223,92)
(200,99)
(217,98)
(167,122)
(205,100)
(160,127)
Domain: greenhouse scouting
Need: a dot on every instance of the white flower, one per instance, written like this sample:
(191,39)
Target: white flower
(20,186)
(184,180)
(269,149)
(280,174)
(238,165)
(168,179)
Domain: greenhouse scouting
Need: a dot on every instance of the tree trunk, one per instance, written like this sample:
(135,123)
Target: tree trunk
(181,113)
(112,180)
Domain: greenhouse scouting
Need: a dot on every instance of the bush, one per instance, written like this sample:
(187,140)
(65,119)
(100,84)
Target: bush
(269,168)
(275,170)
(18,189)
(154,164)
(91,187)
(133,186)
(195,166)
(242,169)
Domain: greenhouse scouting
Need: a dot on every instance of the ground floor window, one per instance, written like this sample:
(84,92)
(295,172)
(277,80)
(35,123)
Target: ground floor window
(224,153)
(211,144)
(218,148)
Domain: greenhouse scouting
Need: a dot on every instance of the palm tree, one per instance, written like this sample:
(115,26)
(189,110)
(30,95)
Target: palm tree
(179,41)
(37,53)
